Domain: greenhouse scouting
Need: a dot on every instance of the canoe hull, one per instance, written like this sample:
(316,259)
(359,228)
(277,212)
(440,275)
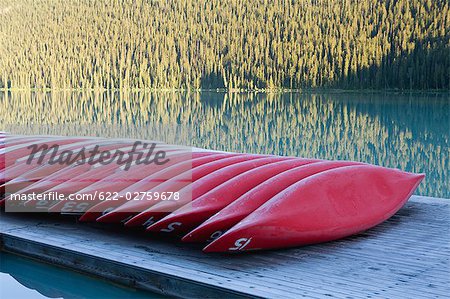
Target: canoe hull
(324,207)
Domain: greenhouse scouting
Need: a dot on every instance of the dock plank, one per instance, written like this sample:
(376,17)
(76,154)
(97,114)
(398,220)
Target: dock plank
(405,257)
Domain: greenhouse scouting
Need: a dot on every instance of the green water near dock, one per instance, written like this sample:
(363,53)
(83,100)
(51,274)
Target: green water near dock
(409,131)
(21,278)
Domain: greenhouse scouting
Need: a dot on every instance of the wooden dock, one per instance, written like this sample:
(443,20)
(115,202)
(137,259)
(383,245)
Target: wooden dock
(405,257)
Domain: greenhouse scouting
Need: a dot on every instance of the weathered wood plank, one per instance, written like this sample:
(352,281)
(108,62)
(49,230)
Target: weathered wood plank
(406,256)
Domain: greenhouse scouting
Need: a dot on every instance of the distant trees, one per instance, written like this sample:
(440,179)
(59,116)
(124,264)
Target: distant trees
(234,44)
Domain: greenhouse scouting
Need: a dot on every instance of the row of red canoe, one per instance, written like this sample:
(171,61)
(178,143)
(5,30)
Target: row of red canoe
(231,202)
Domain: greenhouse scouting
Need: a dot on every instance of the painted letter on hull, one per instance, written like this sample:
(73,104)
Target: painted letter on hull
(151,182)
(324,207)
(201,187)
(194,213)
(117,181)
(215,226)
(133,208)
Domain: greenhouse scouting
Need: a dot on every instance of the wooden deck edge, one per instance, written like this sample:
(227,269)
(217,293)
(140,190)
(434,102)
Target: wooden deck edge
(113,271)
(133,275)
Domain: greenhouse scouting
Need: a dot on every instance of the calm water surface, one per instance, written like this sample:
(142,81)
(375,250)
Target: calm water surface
(22,278)
(406,131)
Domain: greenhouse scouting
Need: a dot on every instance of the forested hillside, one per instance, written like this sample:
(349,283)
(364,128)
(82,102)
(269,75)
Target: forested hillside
(234,44)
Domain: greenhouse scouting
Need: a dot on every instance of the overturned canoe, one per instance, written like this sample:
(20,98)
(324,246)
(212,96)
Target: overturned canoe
(183,170)
(109,177)
(192,214)
(121,180)
(235,202)
(327,206)
(203,179)
(240,208)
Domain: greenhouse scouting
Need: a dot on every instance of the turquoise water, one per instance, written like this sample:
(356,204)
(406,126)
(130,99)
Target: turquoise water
(409,131)
(22,278)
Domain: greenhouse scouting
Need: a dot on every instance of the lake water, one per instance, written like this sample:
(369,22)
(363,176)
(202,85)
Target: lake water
(407,131)
(24,278)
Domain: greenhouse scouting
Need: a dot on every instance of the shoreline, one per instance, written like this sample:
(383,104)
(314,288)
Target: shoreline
(231,91)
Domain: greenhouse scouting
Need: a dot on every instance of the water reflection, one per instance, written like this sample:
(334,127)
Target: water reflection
(406,131)
(24,278)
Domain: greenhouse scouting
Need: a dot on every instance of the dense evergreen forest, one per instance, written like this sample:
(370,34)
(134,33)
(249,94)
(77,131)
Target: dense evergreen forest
(233,44)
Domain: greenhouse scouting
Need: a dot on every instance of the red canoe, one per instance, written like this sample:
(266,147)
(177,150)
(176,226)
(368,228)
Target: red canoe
(194,213)
(230,215)
(10,154)
(68,173)
(80,176)
(17,149)
(327,206)
(23,174)
(95,175)
(115,181)
(183,168)
(133,208)
(14,141)
(201,187)
(15,158)
(43,177)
